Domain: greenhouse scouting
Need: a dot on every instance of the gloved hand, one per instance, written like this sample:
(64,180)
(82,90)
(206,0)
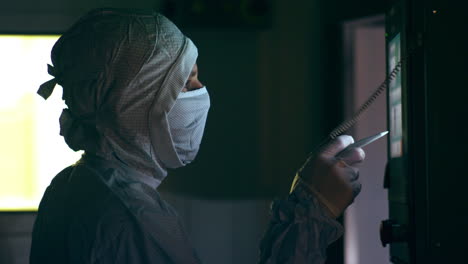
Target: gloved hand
(333,179)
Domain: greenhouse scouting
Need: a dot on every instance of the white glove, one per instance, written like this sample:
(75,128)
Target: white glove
(333,179)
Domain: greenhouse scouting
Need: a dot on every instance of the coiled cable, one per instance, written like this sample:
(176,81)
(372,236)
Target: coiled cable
(347,124)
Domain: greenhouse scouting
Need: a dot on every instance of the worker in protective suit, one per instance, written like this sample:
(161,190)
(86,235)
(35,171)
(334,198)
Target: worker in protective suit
(137,108)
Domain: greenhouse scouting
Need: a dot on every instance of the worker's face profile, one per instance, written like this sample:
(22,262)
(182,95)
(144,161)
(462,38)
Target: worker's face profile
(192,82)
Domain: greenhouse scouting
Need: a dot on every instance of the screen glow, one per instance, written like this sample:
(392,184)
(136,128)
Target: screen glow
(32,152)
(395,102)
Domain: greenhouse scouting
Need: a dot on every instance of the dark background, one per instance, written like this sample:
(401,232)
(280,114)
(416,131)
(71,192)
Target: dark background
(273,69)
(276,89)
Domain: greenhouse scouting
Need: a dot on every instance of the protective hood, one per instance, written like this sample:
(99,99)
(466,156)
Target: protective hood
(121,73)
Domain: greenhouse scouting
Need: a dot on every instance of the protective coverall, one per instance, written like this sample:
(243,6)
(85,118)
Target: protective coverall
(122,72)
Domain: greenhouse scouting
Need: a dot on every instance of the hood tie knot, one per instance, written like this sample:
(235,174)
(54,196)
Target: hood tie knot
(46,89)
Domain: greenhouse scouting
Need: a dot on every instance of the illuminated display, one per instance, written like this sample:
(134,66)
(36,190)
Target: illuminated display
(32,152)
(395,105)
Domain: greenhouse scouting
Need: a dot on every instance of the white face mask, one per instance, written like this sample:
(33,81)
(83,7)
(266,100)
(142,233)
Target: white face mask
(187,120)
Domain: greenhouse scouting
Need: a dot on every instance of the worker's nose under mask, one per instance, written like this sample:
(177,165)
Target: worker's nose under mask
(187,120)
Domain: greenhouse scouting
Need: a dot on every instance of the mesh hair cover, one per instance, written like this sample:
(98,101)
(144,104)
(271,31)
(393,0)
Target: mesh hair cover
(121,72)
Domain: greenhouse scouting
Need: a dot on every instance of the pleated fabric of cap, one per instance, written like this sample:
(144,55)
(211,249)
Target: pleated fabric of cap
(121,72)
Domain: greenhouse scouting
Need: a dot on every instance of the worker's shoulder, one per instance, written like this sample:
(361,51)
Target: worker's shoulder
(103,196)
(110,195)
(62,176)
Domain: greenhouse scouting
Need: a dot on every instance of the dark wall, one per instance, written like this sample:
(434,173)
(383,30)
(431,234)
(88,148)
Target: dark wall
(333,13)
(15,236)
(276,93)
(261,87)
(274,88)
(274,85)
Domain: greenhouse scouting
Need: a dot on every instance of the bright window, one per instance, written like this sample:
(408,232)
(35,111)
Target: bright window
(31,150)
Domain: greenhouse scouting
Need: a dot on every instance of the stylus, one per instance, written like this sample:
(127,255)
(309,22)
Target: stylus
(363,142)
